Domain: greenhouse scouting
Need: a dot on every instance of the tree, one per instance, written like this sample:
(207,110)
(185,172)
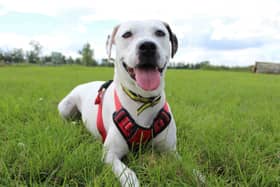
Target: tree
(1,56)
(46,59)
(70,60)
(204,64)
(33,56)
(57,58)
(17,56)
(106,62)
(78,61)
(7,57)
(87,55)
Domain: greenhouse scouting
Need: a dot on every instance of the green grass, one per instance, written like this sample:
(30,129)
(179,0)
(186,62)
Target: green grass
(228,130)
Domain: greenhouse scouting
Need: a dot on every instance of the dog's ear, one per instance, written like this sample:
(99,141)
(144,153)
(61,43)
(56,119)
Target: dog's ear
(173,39)
(111,40)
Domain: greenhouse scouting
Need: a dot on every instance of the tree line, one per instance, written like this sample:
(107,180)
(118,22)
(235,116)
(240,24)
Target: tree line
(206,65)
(34,56)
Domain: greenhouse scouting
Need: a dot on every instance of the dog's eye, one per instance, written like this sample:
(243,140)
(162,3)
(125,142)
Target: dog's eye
(160,33)
(127,34)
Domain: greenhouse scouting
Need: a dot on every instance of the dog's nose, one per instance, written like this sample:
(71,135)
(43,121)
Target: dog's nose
(147,48)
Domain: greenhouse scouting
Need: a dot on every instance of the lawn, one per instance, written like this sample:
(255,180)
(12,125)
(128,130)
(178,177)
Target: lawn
(228,129)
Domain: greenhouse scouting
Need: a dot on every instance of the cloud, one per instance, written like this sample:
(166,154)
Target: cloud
(232,44)
(46,7)
(232,41)
(180,10)
(237,57)
(224,32)
(51,42)
(13,40)
(81,28)
(2,12)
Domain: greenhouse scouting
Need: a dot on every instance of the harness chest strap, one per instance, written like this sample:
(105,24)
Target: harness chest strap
(130,130)
(99,101)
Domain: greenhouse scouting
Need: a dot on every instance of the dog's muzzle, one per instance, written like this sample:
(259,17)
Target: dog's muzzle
(147,49)
(147,54)
(146,73)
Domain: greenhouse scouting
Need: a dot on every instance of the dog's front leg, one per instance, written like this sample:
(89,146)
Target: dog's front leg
(112,155)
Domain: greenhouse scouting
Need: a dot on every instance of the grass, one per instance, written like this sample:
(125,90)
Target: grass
(228,131)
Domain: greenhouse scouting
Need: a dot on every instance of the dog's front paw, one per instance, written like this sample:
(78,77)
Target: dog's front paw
(129,179)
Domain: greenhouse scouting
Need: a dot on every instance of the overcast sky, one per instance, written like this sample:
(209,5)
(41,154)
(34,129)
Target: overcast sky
(228,32)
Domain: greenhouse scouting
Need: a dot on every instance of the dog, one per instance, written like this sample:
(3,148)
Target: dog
(131,110)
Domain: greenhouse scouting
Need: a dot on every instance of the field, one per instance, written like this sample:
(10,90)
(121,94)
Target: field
(228,131)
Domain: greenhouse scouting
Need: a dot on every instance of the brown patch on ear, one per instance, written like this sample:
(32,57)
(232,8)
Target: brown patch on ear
(173,39)
(111,40)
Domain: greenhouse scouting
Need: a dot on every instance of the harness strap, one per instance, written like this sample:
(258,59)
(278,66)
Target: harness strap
(99,101)
(131,131)
(134,134)
(117,101)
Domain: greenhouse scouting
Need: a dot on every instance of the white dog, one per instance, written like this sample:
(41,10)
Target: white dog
(131,110)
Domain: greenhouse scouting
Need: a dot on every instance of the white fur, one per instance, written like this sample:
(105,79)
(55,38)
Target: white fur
(81,99)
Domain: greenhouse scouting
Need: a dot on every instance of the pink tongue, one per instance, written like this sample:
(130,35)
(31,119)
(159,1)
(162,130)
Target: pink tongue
(147,79)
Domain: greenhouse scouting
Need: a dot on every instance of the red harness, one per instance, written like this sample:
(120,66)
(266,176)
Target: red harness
(134,134)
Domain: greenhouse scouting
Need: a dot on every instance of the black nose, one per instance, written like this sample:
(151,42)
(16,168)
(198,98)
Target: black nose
(147,48)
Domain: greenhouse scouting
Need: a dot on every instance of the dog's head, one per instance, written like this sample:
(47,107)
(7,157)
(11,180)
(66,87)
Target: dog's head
(143,49)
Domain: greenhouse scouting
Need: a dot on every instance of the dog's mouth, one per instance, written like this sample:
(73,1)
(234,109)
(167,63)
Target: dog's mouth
(147,76)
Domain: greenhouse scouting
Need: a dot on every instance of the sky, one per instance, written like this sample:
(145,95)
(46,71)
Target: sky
(224,32)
